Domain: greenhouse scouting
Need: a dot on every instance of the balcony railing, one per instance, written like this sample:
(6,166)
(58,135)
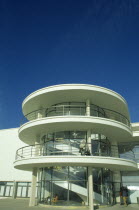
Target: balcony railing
(75,110)
(63,149)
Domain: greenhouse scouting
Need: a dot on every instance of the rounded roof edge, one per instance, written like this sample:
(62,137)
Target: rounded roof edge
(76,86)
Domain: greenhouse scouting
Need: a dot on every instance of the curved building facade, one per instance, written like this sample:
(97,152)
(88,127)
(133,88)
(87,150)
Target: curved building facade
(79,140)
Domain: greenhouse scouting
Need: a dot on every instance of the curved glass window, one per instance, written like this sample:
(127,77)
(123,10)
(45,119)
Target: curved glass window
(127,150)
(96,111)
(69,184)
(65,135)
(64,182)
(70,142)
(100,145)
(63,142)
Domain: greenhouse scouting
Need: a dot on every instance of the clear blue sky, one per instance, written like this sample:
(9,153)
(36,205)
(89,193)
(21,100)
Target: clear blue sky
(50,42)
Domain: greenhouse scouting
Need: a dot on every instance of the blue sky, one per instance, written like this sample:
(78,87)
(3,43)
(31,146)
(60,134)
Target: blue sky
(50,42)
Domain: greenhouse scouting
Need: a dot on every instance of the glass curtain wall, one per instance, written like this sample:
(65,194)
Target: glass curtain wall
(69,143)
(64,142)
(100,145)
(129,150)
(103,186)
(69,184)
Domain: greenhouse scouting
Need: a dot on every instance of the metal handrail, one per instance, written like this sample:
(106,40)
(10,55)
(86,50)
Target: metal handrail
(67,110)
(65,149)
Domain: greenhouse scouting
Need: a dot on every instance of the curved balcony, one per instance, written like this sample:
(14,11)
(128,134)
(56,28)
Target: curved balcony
(63,149)
(42,155)
(48,96)
(75,110)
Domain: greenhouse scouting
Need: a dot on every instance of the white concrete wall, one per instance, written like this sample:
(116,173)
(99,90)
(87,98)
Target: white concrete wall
(9,143)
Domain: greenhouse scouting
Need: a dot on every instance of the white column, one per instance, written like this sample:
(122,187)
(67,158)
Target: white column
(116,174)
(117,181)
(90,186)
(33,187)
(89,131)
(38,148)
(114,149)
(39,185)
(89,141)
(40,113)
(36,151)
(41,147)
(15,189)
(88,107)
(102,190)
(90,171)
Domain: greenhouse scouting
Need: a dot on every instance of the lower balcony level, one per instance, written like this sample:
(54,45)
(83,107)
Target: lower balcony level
(44,155)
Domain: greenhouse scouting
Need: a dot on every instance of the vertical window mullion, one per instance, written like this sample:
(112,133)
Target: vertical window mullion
(68,187)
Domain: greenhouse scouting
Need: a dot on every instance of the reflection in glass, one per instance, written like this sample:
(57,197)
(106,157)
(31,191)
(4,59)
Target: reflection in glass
(65,182)
(100,145)
(70,185)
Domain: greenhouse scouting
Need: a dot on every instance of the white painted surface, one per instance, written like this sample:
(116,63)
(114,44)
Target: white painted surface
(135,126)
(33,187)
(135,129)
(9,143)
(114,130)
(94,161)
(51,95)
(90,186)
(135,135)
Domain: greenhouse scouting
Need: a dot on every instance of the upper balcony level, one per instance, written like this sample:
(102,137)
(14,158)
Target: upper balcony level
(104,98)
(75,109)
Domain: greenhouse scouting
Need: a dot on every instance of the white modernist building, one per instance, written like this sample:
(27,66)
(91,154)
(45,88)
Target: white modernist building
(80,146)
